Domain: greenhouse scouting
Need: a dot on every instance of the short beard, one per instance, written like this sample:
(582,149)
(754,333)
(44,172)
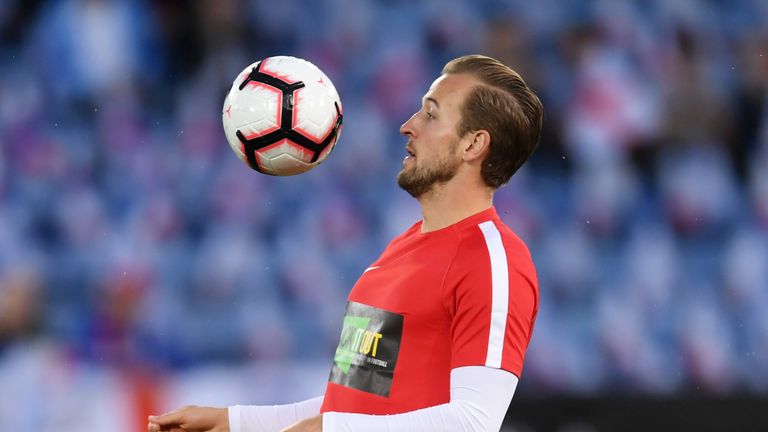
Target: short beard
(418,181)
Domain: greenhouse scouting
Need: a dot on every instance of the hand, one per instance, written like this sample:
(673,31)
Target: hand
(312,424)
(191,419)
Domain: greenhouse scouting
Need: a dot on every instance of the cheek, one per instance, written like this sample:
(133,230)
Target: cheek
(437,131)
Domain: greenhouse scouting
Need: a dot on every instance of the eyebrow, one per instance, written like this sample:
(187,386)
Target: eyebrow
(433,100)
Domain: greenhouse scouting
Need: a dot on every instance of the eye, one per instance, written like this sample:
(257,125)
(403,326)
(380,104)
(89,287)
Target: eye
(430,115)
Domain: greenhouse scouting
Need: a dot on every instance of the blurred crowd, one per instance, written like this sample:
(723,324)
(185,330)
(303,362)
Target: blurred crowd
(132,239)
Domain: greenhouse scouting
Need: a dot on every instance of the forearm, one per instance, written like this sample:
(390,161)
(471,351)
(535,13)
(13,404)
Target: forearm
(480,397)
(450,417)
(271,418)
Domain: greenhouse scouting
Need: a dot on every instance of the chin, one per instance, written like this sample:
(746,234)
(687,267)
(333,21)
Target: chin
(404,171)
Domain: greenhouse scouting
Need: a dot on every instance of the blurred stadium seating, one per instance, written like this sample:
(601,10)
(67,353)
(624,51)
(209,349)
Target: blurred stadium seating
(142,266)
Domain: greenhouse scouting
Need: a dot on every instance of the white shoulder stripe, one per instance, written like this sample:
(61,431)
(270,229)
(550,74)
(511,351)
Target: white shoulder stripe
(500,296)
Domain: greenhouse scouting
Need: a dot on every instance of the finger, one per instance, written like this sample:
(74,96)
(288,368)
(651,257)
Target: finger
(154,427)
(170,418)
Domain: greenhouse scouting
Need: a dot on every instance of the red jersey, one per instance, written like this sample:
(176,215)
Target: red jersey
(464,295)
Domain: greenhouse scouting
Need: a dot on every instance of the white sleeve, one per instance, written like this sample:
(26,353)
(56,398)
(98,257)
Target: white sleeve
(480,397)
(271,418)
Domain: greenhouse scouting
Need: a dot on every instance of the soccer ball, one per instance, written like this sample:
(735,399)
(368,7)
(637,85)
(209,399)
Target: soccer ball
(282,116)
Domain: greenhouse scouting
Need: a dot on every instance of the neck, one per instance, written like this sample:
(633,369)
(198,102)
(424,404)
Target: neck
(445,205)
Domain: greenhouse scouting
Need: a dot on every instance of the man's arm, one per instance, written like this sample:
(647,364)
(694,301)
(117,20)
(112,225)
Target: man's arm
(235,419)
(480,397)
(271,418)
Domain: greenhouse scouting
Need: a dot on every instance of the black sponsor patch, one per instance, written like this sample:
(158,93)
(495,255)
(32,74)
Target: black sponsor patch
(367,353)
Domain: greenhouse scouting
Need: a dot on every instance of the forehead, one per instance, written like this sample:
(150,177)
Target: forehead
(449,90)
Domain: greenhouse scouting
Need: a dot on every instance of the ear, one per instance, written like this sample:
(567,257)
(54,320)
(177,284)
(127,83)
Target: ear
(476,145)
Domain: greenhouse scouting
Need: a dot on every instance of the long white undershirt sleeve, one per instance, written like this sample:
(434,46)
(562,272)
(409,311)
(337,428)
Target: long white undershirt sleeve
(271,418)
(480,397)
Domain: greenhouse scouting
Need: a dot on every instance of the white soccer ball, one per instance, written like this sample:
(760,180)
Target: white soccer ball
(282,116)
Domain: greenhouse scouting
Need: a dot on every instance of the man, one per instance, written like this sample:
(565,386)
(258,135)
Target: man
(436,329)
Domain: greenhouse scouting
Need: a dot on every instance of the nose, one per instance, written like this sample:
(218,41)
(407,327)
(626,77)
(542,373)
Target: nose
(407,128)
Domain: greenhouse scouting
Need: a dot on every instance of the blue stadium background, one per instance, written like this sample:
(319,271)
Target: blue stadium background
(143,266)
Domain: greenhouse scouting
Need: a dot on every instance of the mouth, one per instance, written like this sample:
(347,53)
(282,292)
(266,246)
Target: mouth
(410,155)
